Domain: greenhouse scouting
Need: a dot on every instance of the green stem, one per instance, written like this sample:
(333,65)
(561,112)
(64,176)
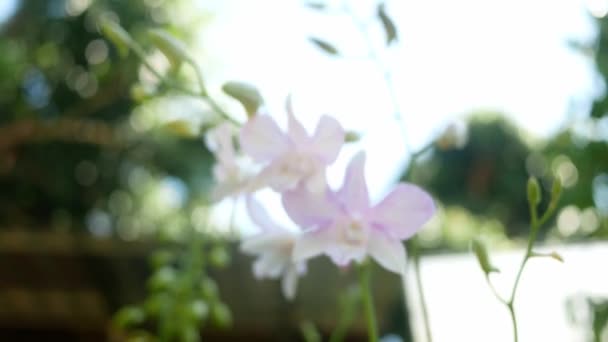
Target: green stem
(349,303)
(368,301)
(514,320)
(535,225)
(139,52)
(415,253)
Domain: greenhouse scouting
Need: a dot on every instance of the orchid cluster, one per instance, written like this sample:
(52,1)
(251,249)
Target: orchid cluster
(341,224)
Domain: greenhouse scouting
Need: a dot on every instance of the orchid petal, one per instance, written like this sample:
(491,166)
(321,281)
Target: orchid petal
(354,192)
(328,139)
(317,182)
(268,265)
(262,243)
(389,253)
(260,217)
(403,212)
(308,209)
(262,139)
(295,130)
(312,244)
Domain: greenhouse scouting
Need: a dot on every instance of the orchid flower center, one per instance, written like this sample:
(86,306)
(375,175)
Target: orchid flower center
(354,231)
(297,164)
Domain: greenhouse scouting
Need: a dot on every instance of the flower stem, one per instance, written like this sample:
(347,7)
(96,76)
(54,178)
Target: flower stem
(365,272)
(535,225)
(415,253)
(141,55)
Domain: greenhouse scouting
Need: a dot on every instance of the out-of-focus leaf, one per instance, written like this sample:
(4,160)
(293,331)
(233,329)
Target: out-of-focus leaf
(246,94)
(325,46)
(316,5)
(221,315)
(116,34)
(310,333)
(175,50)
(129,316)
(388,25)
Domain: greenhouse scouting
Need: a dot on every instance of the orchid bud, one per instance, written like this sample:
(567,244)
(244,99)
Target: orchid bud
(116,34)
(174,49)
(534,193)
(483,258)
(246,94)
(352,136)
(556,190)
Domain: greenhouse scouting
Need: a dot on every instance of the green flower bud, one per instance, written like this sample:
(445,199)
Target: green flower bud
(246,94)
(174,49)
(352,137)
(534,194)
(483,258)
(556,190)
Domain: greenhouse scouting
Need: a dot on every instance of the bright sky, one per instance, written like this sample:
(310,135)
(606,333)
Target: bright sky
(453,57)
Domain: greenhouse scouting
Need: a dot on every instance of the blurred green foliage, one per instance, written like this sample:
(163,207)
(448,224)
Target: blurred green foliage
(69,133)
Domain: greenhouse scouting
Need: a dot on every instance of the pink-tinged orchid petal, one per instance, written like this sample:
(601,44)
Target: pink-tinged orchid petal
(308,209)
(262,139)
(260,217)
(403,212)
(313,243)
(389,253)
(328,139)
(317,182)
(354,193)
(264,242)
(344,254)
(268,265)
(295,130)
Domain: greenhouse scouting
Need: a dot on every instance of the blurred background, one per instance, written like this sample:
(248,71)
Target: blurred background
(105,228)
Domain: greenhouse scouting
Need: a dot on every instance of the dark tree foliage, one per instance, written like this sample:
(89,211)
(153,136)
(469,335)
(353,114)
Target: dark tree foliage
(487,176)
(59,110)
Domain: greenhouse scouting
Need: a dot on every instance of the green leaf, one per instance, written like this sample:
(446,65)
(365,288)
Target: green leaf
(219,256)
(116,34)
(325,46)
(310,333)
(387,23)
(175,50)
(246,94)
(221,315)
(483,258)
